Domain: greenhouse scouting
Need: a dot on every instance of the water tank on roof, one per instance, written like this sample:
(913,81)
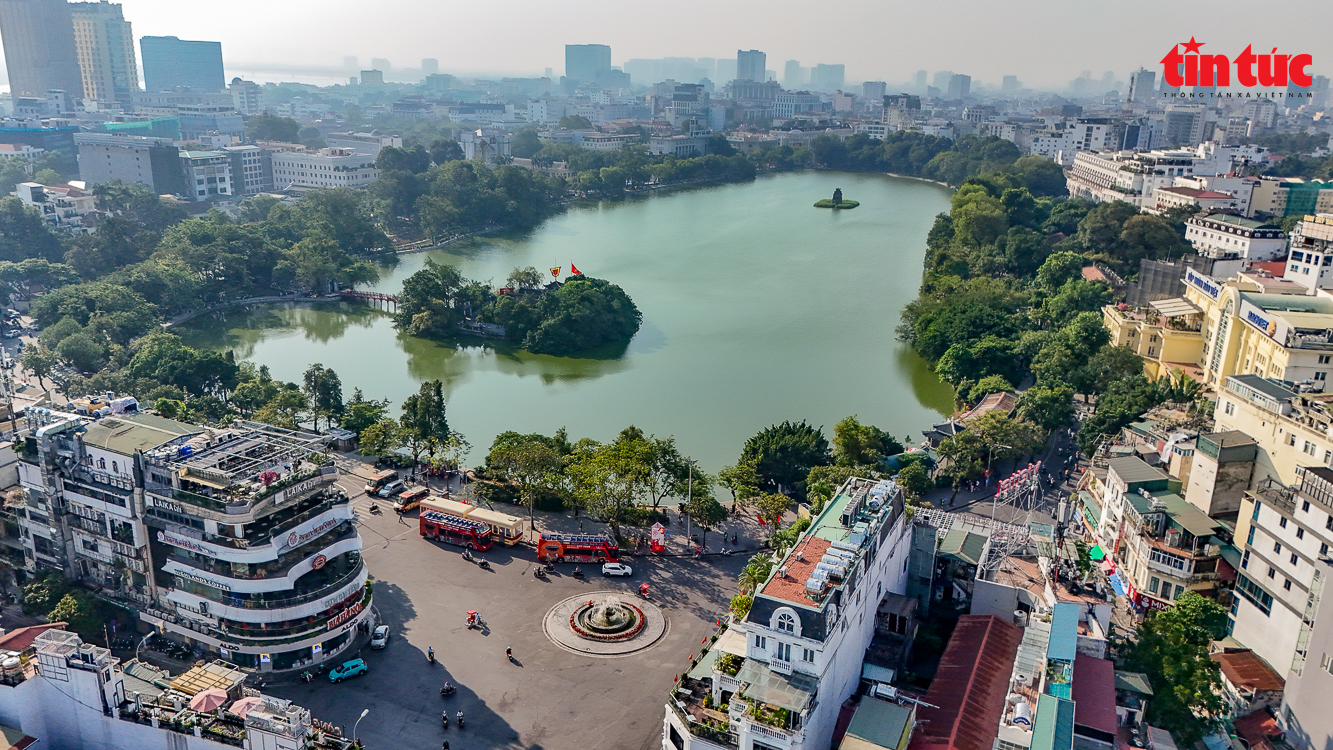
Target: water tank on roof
(1022,715)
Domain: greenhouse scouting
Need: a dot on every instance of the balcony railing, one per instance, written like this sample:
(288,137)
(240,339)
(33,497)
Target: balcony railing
(327,589)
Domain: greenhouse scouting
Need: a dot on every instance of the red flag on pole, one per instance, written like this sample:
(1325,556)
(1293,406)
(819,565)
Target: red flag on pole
(761,519)
(574,269)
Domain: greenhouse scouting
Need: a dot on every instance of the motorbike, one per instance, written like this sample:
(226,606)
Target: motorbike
(578,572)
(447,690)
(474,622)
(539,572)
(467,555)
(374,507)
(549,568)
(307,677)
(430,655)
(444,719)
(460,719)
(484,565)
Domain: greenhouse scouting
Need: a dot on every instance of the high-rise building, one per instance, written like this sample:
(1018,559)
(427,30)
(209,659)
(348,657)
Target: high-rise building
(941,79)
(586,63)
(793,75)
(380,63)
(105,47)
(751,65)
(960,86)
(920,81)
(40,55)
(1141,85)
(827,77)
(247,97)
(430,66)
(372,78)
(1009,85)
(171,63)
(873,91)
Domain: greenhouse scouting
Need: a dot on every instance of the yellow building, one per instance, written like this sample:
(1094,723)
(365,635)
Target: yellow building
(1254,324)
(1167,334)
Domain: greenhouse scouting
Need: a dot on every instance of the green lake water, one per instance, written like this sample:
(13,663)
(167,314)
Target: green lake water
(757,307)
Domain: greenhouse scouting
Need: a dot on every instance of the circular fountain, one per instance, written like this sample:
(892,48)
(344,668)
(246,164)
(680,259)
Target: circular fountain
(603,624)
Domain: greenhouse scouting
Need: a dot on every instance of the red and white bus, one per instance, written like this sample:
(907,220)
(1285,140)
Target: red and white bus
(589,548)
(442,527)
(503,528)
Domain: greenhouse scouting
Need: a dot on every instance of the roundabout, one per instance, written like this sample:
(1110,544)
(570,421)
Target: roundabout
(603,624)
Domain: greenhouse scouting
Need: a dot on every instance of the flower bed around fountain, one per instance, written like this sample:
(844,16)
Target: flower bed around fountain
(606,637)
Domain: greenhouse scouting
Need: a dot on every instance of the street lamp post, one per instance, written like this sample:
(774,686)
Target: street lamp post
(689,495)
(364,711)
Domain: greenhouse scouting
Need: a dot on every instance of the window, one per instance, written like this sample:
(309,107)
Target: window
(1300,533)
(1309,448)
(1153,584)
(761,643)
(1323,549)
(1321,375)
(784,651)
(786,623)
(1277,546)
(1294,559)
(1271,572)
(1324,358)
(1305,505)
(1229,408)
(1291,438)
(1250,538)
(1245,560)
(1286,584)
(1179,590)
(1254,595)
(1282,522)
(807,655)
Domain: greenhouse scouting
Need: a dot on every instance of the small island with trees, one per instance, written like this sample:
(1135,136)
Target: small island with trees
(559,318)
(837,201)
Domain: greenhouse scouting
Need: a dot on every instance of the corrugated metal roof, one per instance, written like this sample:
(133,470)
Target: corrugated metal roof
(1094,693)
(879,724)
(1132,469)
(1134,682)
(970,686)
(1053,727)
(1245,669)
(1064,632)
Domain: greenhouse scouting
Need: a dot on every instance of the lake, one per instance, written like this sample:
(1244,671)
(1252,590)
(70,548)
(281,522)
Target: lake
(757,308)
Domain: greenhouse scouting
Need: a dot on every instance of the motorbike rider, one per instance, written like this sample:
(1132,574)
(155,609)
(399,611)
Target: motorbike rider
(430,653)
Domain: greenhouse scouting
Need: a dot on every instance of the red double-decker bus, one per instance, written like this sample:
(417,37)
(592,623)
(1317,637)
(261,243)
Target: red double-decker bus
(587,548)
(453,530)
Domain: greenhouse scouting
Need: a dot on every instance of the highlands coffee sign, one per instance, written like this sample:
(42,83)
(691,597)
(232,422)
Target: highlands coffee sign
(1187,65)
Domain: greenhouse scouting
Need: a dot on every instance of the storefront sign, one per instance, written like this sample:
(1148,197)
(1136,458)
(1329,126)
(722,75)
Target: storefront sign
(229,646)
(303,534)
(158,502)
(317,648)
(303,486)
(1268,325)
(201,579)
(183,542)
(318,562)
(265,659)
(1202,283)
(344,616)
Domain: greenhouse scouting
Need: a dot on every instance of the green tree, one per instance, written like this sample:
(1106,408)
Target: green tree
(855,444)
(607,480)
(324,391)
(361,413)
(82,352)
(423,418)
(988,385)
(286,409)
(531,461)
(705,511)
(524,278)
(24,235)
(1049,407)
(524,144)
(742,480)
(268,127)
(914,479)
(79,609)
(1172,649)
(771,507)
(783,454)
(1060,268)
(444,150)
(382,439)
(40,361)
(575,122)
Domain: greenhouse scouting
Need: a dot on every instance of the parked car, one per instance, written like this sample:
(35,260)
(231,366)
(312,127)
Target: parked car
(13,333)
(616,569)
(380,638)
(392,488)
(348,669)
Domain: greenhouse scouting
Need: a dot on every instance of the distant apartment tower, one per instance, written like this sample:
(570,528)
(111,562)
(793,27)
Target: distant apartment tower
(793,75)
(960,86)
(1141,85)
(827,77)
(105,47)
(751,65)
(429,66)
(941,79)
(1009,85)
(247,97)
(586,62)
(372,78)
(920,81)
(171,63)
(381,63)
(873,91)
(38,37)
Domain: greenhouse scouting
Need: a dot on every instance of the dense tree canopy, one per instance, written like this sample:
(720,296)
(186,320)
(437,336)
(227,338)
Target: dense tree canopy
(784,454)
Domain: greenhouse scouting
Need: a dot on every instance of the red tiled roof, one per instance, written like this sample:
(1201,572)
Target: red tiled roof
(1245,669)
(1094,693)
(21,638)
(1093,273)
(1256,728)
(791,587)
(1274,267)
(970,686)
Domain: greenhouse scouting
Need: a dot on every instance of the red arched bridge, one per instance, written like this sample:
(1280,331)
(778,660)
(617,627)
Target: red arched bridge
(374,298)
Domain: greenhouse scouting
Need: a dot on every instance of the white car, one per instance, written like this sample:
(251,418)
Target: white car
(616,569)
(380,638)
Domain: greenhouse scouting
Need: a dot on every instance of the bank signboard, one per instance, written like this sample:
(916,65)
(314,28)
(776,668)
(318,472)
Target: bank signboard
(1267,323)
(1203,283)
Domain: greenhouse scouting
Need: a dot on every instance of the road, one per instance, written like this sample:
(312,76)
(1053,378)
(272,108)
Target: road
(546,698)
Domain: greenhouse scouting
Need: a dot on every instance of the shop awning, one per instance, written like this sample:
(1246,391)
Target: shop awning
(1117,584)
(1106,566)
(1096,552)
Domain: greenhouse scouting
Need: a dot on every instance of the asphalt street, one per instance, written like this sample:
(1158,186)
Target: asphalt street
(546,697)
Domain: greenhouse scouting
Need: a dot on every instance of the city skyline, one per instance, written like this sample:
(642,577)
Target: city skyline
(974,47)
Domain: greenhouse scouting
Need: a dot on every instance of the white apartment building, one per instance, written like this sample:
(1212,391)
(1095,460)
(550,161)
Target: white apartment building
(1125,175)
(1311,260)
(363,143)
(485,143)
(1240,188)
(233,540)
(806,633)
(207,174)
(1226,236)
(251,169)
(1067,139)
(247,97)
(1283,570)
(1166,198)
(63,207)
(326,168)
(682,146)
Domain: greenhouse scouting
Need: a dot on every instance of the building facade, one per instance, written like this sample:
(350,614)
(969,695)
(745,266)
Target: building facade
(63,207)
(154,162)
(325,168)
(587,63)
(808,629)
(171,63)
(104,42)
(1226,236)
(1311,260)
(247,97)
(40,55)
(751,65)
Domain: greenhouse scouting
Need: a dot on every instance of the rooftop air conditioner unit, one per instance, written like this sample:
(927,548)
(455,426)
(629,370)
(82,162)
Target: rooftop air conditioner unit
(782,572)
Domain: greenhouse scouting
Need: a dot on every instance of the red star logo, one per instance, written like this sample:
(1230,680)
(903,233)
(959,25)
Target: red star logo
(1192,46)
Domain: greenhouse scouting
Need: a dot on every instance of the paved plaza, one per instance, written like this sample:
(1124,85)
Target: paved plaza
(547,697)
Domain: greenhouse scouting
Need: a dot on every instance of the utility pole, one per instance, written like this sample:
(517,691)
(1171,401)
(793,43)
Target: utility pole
(689,495)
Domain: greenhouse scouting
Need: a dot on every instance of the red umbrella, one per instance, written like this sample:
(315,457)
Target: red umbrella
(472,611)
(208,700)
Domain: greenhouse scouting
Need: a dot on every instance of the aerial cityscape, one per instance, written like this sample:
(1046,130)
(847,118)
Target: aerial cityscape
(493,377)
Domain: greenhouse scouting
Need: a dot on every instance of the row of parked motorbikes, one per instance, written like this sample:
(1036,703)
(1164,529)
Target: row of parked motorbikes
(481,562)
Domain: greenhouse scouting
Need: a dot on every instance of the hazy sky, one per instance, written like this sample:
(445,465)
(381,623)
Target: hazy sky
(1044,43)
